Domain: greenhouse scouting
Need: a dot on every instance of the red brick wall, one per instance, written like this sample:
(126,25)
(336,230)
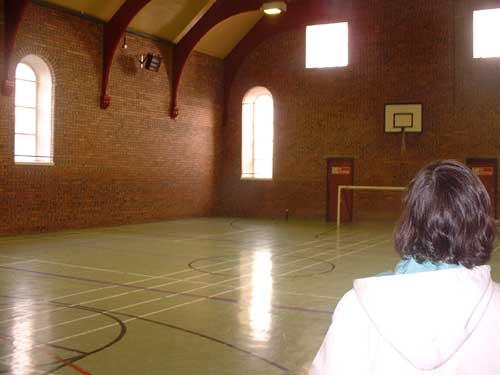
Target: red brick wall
(128,164)
(400,51)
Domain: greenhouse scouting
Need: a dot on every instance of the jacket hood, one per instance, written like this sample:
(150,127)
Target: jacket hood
(426,317)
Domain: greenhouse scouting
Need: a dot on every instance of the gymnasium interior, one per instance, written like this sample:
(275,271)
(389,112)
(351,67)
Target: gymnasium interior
(191,186)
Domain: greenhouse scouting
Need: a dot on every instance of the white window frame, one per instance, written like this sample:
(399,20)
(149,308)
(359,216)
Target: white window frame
(248,145)
(327,45)
(44,130)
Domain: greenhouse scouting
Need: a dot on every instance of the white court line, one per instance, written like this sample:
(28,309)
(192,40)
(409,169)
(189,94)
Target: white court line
(107,270)
(173,294)
(193,277)
(186,279)
(152,276)
(194,301)
(174,235)
(33,369)
(277,291)
(17,262)
(322,242)
(91,268)
(144,280)
(185,303)
(11,257)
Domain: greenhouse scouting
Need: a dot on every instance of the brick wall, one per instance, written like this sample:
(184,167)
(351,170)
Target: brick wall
(400,51)
(128,164)
(132,163)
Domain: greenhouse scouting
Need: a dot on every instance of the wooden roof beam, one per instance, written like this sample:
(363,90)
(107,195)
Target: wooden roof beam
(220,10)
(113,32)
(13,11)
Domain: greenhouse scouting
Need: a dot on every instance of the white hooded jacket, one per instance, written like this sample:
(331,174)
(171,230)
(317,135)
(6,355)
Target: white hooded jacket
(438,323)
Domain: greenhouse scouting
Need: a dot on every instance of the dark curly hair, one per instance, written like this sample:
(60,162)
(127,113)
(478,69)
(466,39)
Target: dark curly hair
(446,217)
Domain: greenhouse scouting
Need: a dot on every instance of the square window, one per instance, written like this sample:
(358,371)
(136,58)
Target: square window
(486,33)
(327,45)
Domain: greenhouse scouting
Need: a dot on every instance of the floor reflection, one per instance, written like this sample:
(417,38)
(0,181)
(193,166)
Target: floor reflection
(22,339)
(261,293)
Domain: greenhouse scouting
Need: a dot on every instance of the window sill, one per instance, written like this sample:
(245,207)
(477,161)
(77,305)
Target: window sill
(492,59)
(326,67)
(40,163)
(257,178)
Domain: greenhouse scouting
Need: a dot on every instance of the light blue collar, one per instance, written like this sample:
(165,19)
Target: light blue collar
(410,265)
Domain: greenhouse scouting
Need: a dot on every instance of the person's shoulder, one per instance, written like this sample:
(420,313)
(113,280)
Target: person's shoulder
(492,311)
(496,290)
(348,299)
(349,317)
(494,303)
(348,304)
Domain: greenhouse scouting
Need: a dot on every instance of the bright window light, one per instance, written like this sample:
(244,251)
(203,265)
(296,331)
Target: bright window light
(33,112)
(327,45)
(257,134)
(486,33)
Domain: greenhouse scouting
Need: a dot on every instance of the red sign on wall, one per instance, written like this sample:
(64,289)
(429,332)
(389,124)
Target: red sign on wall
(483,171)
(341,170)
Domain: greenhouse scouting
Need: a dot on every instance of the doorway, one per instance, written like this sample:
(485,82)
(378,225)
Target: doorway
(486,170)
(339,172)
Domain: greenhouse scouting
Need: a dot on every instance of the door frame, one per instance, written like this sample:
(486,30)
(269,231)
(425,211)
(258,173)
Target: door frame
(349,159)
(495,162)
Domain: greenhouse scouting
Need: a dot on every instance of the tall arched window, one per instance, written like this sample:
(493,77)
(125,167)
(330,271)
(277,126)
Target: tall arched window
(257,134)
(33,121)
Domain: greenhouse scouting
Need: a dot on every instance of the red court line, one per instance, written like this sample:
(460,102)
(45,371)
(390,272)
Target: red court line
(54,356)
(69,364)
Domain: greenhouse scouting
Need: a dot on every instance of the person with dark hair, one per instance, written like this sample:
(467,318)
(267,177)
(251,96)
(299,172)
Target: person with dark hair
(439,312)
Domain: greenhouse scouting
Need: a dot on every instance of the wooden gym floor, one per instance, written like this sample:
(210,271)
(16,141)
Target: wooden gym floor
(200,296)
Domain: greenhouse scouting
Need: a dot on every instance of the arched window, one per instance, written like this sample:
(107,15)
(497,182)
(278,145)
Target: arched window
(33,113)
(257,134)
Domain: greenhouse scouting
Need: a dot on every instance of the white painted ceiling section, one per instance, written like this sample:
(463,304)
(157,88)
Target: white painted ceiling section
(172,19)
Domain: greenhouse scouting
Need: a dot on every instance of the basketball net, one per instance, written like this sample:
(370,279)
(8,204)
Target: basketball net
(403,142)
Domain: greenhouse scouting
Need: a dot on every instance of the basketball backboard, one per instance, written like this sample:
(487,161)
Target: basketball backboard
(403,118)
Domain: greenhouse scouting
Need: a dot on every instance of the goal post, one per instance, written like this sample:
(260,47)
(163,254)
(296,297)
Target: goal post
(360,187)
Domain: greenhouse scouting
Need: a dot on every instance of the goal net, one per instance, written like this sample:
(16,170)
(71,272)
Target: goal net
(369,202)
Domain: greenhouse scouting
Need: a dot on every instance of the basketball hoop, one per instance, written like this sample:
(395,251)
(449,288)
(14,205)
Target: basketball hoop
(403,118)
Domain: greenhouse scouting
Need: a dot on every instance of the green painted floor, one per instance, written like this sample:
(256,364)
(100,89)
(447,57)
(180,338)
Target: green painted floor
(200,296)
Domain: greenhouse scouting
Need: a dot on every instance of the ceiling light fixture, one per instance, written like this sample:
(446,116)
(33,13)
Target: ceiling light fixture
(124,45)
(273,7)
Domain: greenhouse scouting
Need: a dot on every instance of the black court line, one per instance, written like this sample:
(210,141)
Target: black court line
(191,238)
(149,253)
(38,344)
(152,321)
(119,337)
(66,348)
(185,330)
(161,291)
(71,360)
(58,364)
(285,221)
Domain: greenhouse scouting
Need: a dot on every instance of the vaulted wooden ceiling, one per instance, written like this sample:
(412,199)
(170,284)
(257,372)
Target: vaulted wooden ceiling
(172,19)
(227,29)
